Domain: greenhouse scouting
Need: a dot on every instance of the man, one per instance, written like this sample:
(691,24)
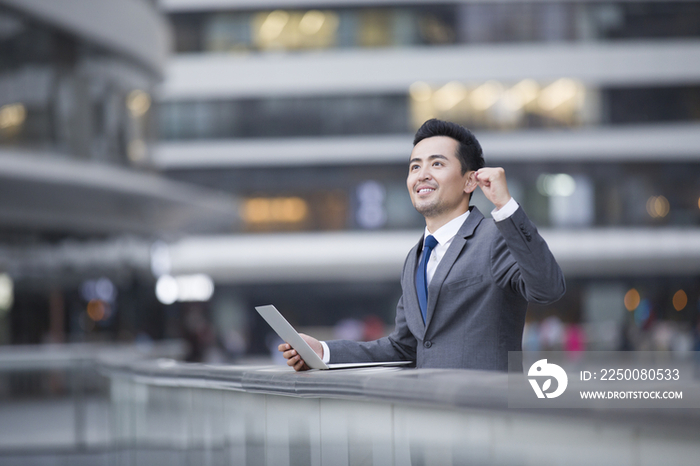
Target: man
(465,306)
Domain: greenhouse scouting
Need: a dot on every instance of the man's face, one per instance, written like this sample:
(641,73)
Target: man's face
(435,181)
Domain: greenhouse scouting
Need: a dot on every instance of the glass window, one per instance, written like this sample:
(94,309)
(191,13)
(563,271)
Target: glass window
(430,24)
(61,94)
(492,105)
(657,104)
(285,117)
(496,105)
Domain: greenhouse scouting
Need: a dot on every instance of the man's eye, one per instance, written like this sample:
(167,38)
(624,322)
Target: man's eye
(413,167)
(436,164)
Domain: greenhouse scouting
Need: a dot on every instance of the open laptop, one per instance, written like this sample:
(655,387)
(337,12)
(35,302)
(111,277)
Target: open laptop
(287,333)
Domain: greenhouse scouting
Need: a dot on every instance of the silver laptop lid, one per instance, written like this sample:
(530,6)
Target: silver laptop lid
(287,333)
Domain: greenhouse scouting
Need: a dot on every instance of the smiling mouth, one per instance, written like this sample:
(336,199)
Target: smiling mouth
(425,190)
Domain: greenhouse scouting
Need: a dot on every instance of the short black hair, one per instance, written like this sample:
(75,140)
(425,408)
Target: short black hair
(469,152)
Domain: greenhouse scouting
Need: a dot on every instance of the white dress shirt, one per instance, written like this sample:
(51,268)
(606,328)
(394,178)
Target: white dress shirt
(444,236)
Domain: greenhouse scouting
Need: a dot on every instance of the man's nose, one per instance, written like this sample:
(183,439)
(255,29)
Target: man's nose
(424,173)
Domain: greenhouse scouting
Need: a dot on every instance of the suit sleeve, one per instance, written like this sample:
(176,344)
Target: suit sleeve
(522,262)
(399,346)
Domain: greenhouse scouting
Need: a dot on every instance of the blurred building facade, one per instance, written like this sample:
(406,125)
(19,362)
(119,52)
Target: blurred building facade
(264,144)
(79,207)
(305,111)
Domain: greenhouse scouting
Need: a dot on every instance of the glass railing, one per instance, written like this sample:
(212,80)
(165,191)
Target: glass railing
(91,404)
(166,412)
(56,406)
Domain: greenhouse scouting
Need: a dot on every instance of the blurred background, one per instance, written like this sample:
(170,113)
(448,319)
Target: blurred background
(166,165)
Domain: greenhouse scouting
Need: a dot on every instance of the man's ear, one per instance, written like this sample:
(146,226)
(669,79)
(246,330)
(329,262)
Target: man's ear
(470,182)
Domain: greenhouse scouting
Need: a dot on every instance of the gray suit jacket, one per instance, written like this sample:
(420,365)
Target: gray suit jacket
(477,299)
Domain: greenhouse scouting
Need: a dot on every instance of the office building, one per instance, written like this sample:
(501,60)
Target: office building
(305,112)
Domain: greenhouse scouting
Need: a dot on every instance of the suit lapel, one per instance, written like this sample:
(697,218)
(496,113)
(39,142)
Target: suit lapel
(448,260)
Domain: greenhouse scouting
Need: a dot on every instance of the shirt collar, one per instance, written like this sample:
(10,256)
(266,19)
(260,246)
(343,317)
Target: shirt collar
(448,230)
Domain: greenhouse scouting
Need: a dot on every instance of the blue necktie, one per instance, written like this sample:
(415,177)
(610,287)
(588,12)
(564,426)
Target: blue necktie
(421,278)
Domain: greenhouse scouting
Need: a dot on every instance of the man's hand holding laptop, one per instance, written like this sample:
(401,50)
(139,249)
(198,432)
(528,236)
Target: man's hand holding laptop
(303,352)
(293,358)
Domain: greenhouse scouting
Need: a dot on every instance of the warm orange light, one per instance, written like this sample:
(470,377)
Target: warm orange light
(12,115)
(256,210)
(312,22)
(138,102)
(680,300)
(421,91)
(699,203)
(289,30)
(97,310)
(632,300)
(274,210)
(658,206)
